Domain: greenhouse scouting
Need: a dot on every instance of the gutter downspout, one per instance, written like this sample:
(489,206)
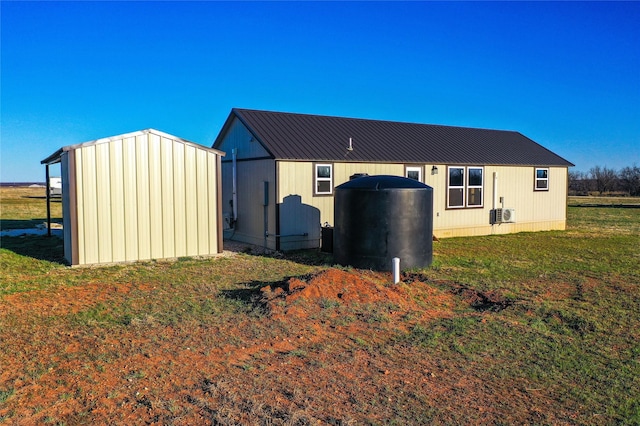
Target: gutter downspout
(495,190)
(234,196)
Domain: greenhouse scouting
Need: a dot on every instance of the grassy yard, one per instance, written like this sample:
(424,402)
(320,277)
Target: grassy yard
(531,328)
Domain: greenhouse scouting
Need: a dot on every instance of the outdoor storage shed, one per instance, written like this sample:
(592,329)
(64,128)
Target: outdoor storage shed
(137,196)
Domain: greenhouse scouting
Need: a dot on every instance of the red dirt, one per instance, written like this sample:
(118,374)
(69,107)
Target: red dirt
(297,362)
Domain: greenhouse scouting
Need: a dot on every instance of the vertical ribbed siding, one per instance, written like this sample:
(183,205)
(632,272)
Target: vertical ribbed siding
(179,201)
(130,207)
(168,198)
(143,174)
(191,202)
(116,174)
(145,196)
(203,195)
(155,197)
(69,223)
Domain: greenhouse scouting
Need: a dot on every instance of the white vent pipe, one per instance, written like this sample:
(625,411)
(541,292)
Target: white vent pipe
(495,190)
(395,267)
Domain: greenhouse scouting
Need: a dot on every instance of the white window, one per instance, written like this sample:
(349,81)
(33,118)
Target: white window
(455,200)
(465,187)
(542,179)
(323,181)
(474,186)
(413,172)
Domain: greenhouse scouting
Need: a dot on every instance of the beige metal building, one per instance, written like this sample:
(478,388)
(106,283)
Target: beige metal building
(281,169)
(138,196)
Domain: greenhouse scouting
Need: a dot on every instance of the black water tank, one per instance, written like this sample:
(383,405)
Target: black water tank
(378,218)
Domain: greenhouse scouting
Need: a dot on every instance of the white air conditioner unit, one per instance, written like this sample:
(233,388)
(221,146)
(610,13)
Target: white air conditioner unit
(505,215)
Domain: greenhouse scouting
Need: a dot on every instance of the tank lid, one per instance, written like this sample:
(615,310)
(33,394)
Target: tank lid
(381,182)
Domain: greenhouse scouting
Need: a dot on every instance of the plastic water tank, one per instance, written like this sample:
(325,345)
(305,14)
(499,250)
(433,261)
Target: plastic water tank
(378,218)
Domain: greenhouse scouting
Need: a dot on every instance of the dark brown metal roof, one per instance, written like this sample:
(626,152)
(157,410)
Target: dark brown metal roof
(288,136)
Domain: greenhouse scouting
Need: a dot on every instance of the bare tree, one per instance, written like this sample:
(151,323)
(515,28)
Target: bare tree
(604,177)
(578,183)
(630,180)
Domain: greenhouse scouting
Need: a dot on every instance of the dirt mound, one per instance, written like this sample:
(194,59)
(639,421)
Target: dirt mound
(298,296)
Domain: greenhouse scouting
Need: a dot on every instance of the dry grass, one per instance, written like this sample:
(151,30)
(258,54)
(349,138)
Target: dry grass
(24,207)
(197,342)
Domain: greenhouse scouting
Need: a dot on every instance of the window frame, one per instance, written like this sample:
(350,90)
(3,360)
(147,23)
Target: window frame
(465,187)
(470,187)
(449,187)
(537,179)
(317,179)
(419,169)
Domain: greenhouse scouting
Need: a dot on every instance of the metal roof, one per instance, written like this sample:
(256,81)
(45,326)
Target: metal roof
(56,156)
(305,137)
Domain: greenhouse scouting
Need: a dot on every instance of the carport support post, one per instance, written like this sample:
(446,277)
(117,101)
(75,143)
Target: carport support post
(48,201)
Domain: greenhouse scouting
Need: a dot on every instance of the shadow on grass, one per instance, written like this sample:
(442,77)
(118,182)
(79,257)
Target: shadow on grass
(251,294)
(44,197)
(310,257)
(6,224)
(39,247)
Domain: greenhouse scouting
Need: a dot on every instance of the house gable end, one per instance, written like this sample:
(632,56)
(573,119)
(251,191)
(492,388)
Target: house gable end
(235,134)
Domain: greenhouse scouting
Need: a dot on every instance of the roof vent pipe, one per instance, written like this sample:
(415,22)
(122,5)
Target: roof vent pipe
(350,148)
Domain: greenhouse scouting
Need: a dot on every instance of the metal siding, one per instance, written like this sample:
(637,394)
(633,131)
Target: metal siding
(239,137)
(155,189)
(118,207)
(143,197)
(214,186)
(168,209)
(535,210)
(67,199)
(250,194)
(89,237)
(79,205)
(298,178)
(203,197)
(217,207)
(191,200)
(179,200)
(102,187)
(130,195)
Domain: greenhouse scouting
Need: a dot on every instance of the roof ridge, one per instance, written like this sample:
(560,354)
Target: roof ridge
(302,114)
(312,137)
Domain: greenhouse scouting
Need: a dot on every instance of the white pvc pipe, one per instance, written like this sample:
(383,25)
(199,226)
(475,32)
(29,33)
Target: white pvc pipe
(234,183)
(395,263)
(495,190)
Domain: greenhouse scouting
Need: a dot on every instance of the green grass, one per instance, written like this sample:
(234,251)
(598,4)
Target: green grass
(576,328)
(571,338)
(26,208)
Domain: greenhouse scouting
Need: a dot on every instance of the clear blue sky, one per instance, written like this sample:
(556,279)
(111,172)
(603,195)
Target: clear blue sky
(565,74)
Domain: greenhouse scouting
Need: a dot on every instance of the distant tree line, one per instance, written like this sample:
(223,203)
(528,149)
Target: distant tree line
(605,181)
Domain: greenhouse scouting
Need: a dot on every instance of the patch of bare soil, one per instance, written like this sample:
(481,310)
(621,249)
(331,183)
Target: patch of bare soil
(304,297)
(322,353)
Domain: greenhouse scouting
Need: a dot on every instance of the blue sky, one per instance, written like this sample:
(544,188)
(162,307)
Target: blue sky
(565,74)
